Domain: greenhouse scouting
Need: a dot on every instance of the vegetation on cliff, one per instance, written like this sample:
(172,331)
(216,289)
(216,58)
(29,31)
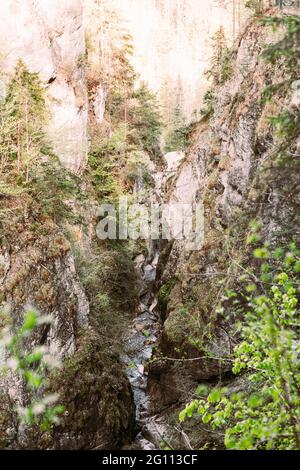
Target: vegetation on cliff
(267,418)
(264,413)
(37,224)
(230,312)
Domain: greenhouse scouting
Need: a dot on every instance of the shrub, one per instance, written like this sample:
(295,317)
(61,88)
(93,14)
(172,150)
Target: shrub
(32,367)
(269,355)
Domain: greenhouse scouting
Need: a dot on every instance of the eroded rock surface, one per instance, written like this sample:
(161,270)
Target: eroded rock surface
(48,35)
(229,169)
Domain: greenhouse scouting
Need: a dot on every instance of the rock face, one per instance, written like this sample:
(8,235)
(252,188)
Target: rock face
(222,169)
(231,169)
(173,159)
(38,263)
(172,43)
(38,270)
(48,36)
(99,104)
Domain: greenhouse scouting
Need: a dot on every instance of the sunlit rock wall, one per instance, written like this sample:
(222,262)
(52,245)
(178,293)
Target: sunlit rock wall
(172,40)
(48,35)
(172,49)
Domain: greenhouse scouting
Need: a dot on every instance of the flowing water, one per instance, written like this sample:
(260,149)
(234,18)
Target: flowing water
(143,335)
(139,344)
(145,329)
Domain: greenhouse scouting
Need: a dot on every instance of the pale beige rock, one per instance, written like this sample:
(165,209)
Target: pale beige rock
(173,160)
(99,104)
(172,43)
(48,36)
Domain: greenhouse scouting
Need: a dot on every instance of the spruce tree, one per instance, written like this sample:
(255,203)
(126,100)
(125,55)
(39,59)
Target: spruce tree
(176,137)
(221,66)
(23,116)
(145,121)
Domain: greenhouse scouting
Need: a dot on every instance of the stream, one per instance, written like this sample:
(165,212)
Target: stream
(139,343)
(145,329)
(144,332)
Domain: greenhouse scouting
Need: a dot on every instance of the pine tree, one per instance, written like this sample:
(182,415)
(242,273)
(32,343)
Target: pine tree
(176,137)
(23,116)
(145,121)
(27,163)
(221,64)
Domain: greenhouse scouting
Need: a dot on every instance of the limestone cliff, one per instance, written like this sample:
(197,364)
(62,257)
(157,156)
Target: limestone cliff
(49,37)
(40,251)
(49,256)
(231,167)
(171,52)
(172,43)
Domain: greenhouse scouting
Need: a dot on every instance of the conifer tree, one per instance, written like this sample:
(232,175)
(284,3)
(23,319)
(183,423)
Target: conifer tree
(145,121)
(27,162)
(221,67)
(176,137)
(23,116)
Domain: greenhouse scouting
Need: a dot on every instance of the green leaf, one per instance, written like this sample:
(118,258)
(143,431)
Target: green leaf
(207,417)
(215,396)
(33,379)
(254,401)
(261,253)
(297,267)
(182,416)
(202,390)
(30,321)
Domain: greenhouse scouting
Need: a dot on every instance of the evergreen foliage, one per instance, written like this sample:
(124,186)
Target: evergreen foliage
(145,121)
(221,68)
(286,124)
(266,413)
(287,48)
(209,100)
(27,163)
(176,138)
(22,118)
(257,6)
(135,122)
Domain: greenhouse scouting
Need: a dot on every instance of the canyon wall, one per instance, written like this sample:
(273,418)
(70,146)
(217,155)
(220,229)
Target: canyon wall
(173,44)
(48,36)
(55,267)
(172,49)
(234,168)
(41,252)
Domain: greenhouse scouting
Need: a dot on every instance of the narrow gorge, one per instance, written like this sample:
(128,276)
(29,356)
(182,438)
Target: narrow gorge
(125,325)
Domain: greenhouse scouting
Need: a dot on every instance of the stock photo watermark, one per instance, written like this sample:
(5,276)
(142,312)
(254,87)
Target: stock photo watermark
(173,221)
